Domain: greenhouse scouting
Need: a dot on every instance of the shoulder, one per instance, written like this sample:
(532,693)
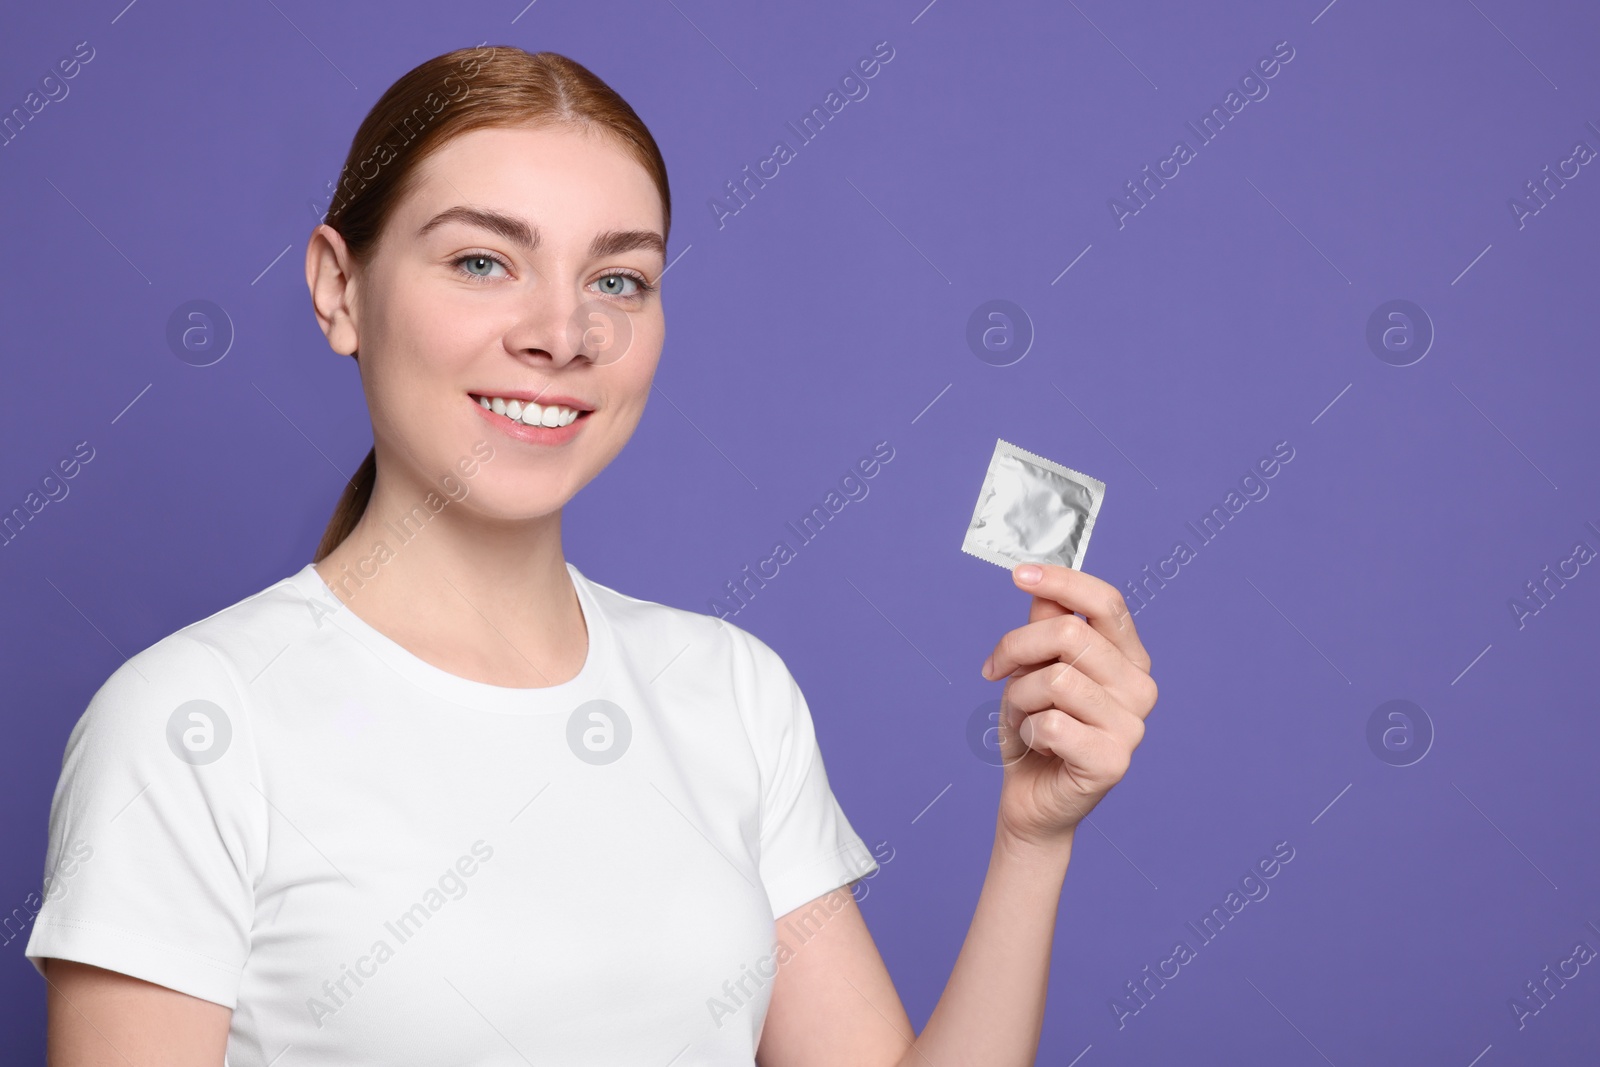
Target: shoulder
(714,644)
(211,659)
(638,619)
(246,635)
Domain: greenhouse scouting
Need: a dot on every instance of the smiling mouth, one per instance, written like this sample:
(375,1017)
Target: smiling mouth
(529,413)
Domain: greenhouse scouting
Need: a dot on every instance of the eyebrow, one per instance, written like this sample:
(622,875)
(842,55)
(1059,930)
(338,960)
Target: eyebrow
(609,243)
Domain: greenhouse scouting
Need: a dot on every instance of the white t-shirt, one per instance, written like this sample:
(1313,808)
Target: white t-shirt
(370,859)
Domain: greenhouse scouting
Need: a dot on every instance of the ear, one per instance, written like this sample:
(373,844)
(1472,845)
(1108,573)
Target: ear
(331,277)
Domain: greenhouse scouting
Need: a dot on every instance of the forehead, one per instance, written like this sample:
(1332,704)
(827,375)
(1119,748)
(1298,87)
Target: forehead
(559,178)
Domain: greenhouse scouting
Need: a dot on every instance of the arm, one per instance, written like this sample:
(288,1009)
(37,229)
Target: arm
(100,1018)
(1077,693)
(992,1008)
(166,893)
(834,1003)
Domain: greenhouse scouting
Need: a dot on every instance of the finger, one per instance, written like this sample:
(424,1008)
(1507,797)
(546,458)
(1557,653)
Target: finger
(1088,753)
(1060,590)
(1067,638)
(1065,689)
(1068,736)
(1059,742)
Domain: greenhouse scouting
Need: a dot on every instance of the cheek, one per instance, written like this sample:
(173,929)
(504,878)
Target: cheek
(437,334)
(422,340)
(413,378)
(638,367)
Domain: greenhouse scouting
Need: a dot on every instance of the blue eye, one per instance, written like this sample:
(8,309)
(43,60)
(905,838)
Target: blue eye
(477,260)
(609,284)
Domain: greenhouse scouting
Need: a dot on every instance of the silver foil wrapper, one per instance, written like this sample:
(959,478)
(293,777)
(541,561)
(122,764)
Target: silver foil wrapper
(1032,510)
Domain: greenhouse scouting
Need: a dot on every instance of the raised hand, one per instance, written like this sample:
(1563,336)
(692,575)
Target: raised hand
(1074,705)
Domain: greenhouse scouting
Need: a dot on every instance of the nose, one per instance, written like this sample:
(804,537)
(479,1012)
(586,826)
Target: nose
(552,328)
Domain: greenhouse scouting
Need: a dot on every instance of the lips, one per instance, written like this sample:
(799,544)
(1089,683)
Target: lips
(536,433)
(543,399)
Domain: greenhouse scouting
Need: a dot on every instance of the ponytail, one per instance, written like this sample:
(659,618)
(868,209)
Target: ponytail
(352,505)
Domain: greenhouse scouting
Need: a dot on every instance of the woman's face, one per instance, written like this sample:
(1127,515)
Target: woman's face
(522,267)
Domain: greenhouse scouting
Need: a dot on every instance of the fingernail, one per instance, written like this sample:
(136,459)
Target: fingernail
(1027,574)
(988,665)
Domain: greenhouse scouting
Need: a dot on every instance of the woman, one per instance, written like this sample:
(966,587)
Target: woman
(438,797)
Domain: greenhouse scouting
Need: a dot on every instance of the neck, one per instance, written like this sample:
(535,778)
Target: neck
(485,599)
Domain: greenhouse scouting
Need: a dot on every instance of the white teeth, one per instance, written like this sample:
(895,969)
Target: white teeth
(530,414)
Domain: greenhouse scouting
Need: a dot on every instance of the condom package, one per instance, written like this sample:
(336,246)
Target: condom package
(1032,510)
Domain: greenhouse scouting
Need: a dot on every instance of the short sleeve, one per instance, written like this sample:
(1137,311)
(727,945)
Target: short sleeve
(808,846)
(157,828)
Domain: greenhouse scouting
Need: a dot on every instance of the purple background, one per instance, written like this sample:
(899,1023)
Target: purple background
(831,313)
